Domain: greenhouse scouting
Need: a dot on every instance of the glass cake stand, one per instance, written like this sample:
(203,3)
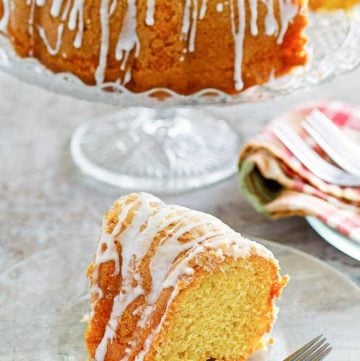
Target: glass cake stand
(176,143)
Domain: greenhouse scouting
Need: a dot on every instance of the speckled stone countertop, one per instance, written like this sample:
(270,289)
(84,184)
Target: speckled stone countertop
(43,198)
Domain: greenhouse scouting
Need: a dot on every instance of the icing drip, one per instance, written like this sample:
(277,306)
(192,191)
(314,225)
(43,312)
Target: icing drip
(193,26)
(288,11)
(113,7)
(239,38)
(56,8)
(32,5)
(5,18)
(186,19)
(54,50)
(167,253)
(220,7)
(203,9)
(150,10)
(128,39)
(136,239)
(132,254)
(189,24)
(271,25)
(76,19)
(254,17)
(110,253)
(121,302)
(127,76)
(104,44)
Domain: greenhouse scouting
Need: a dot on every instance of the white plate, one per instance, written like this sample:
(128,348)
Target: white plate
(342,243)
(43,298)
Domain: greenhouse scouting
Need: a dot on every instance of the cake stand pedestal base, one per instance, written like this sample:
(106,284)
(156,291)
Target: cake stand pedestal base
(157,150)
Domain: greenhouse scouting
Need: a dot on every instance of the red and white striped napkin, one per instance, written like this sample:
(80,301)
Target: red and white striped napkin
(278,185)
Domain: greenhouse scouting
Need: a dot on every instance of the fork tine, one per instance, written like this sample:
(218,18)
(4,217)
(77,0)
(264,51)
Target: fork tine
(312,160)
(326,125)
(332,142)
(324,354)
(301,150)
(303,349)
(318,353)
(308,355)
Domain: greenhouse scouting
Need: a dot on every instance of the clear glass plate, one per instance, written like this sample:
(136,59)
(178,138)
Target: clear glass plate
(342,243)
(44,297)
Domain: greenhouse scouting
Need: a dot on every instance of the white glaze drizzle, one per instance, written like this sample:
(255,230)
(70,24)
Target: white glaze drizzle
(271,25)
(131,254)
(76,21)
(75,15)
(203,9)
(150,11)
(239,38)
(5,18)
(232,16)
(128,40)
(288,11)
(109,254)
(104,42)
(56,8)
(54,50)
(51,50)
(194,18)
(136,239)
(185,26)
(32,5)
(113,6)
(254,17)
(219,7)
(191,14)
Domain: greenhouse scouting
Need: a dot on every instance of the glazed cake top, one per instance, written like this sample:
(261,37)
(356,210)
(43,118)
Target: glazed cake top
(71,16)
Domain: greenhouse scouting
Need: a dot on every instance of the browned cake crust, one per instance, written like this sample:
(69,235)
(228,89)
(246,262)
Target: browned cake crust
(161,61)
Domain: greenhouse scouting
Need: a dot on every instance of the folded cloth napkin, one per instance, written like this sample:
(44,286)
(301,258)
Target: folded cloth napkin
(278,185)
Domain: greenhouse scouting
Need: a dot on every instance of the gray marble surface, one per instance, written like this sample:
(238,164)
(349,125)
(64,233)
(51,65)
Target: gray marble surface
(44,199)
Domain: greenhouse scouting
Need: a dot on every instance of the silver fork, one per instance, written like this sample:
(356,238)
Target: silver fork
(310,159)
(333,141)
(316,350)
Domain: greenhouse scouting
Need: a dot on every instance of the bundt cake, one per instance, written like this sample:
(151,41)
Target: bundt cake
(169,283)
(183,45)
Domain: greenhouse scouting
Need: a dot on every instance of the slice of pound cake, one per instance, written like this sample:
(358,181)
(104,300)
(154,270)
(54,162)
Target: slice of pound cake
(169,283)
